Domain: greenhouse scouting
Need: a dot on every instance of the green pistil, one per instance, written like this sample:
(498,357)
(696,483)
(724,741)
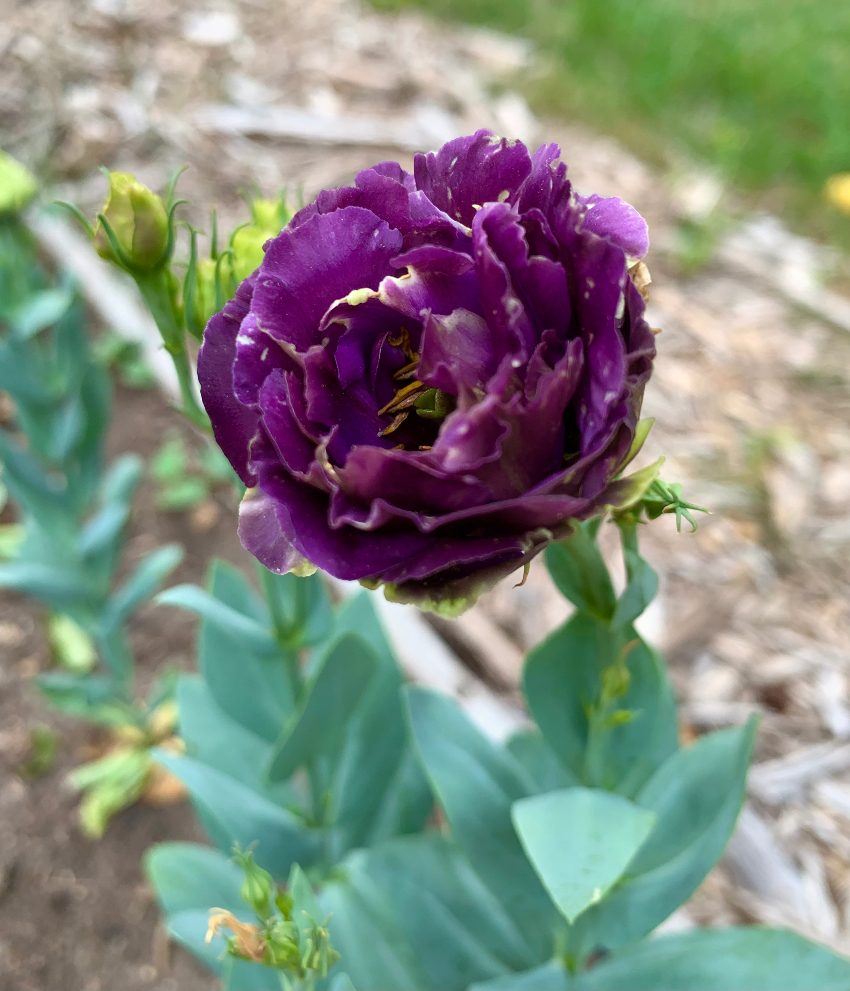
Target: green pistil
(433,404)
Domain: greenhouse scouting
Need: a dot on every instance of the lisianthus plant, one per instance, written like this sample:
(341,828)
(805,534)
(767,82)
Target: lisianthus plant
(428,379)
(66,545)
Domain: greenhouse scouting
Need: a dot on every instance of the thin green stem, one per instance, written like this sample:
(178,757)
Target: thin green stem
(628,536)
(612,650)
(282,626)
(159,295)
(190,408)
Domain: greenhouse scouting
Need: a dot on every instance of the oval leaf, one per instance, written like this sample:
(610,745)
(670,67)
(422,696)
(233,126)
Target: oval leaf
(580,841)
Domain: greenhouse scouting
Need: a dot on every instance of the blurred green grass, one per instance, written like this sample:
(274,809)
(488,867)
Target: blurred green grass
(760,89)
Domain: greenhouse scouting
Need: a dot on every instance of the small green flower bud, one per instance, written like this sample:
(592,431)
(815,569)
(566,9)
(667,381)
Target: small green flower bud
(138,221)
(199,295)
(17,185)
(258,888)
(268,217)
(247,246)
(615,681)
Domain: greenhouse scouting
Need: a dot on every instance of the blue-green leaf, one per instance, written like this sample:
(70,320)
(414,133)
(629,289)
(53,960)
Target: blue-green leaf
(379,789)
(540,762)
(37,492)
(696,796)
(250,683)
(563,683)
(148,575)
(341,982)
(579,570)
(189,928)
(301,607)
(551,976)
(104,530)
(215,739)
(246,817)
(318,727)
(458,930)
(61,591)
(368,935)
(41,309)
(243,975)
(476,783)
(26,384)
(188,875)
(92,696)
(121,480)
(580,841)
(721,960)
(189,880)
(641,589)
(236,625)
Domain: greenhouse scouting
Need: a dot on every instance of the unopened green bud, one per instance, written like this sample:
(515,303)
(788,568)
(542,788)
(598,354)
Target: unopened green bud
(138,221)
(282,942)
(17,184)
(247,246)
(620,717)
(615,681)
(268,218)
(258,888)
(199,295)
(269,215)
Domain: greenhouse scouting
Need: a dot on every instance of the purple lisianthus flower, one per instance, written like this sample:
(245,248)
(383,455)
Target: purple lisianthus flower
(432,376)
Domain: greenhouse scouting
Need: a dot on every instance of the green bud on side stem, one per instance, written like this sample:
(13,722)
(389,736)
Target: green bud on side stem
(132,229)
(268,217)
(258,887)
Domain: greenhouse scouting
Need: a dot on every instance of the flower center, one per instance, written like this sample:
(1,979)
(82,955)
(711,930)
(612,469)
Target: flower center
(414,396)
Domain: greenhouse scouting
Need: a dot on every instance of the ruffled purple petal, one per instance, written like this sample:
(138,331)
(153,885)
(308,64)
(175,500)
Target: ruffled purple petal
(415,484)
(349,415)
(233,424)
(618,222)
(263,533)
(458,352)
(257,356)
(453,590)
(293,445)
(446,553)
(546,189)
(308,267)
(468,172)
(438,280)
(601,278)
(472,437)
(344,553)
(500,250)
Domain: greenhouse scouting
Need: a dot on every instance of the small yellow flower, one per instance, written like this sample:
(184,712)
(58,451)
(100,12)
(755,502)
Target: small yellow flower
(17,184)
(837,191)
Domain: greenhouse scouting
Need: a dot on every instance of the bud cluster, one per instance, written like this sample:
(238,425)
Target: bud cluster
(285,935)
(137,230)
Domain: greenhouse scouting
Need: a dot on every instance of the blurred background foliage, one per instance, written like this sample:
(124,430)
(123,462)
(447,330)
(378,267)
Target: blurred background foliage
(759,89)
